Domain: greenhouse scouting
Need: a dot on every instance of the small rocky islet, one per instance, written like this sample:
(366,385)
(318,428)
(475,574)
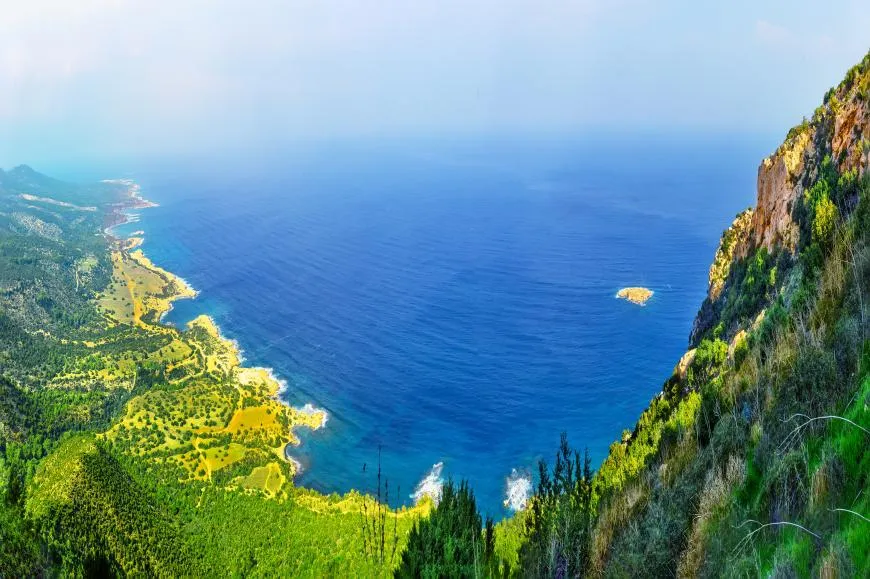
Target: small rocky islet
(636,295)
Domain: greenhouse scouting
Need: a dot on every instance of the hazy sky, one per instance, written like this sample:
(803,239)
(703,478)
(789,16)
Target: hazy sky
(94,77)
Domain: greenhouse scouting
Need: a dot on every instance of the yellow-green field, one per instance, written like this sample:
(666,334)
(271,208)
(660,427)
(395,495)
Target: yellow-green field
(212,418)
(140,290)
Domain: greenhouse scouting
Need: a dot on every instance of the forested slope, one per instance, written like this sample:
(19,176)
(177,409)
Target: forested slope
(130,447)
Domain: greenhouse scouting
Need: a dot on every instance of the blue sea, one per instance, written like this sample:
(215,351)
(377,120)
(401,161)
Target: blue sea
(453,300)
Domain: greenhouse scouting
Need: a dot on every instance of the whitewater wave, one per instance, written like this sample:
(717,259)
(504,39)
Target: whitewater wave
(282,384)
(186,284)
(310,409)
(298,468)
(519,489)
(240,354)
(166,313)
(431,485)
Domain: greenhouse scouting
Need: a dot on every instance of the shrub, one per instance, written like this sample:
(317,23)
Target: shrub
(847,344)
(813,378)
(753,280)
(787,486)
(741,350)
(708,362)
(824,220)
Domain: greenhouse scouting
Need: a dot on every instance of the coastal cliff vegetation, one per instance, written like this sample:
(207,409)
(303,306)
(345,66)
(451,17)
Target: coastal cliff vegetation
(131,447)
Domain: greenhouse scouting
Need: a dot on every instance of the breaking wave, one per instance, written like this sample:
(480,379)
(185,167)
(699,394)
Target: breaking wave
(431,485)
(298,468)
(312,409)
(282,384)
(519,489)
(240,354)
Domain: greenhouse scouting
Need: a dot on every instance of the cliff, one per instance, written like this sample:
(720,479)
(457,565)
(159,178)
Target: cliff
(752,460)
(129,447)
(834,140)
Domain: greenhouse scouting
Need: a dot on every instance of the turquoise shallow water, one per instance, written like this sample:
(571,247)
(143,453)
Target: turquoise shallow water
(453,302)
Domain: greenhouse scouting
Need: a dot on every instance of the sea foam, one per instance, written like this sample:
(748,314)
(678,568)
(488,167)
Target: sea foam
(308,408)
(186,284)
(240,354)
(298,468)
(519,489)
(164,314)
(311,409)
(431,485)
(282,384)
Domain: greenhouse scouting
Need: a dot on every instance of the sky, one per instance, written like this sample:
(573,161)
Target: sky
(96,78)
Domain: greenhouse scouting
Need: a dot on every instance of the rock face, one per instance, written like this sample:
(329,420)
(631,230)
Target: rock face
(682,367)
(725,253)
(840,129)
(778,188)
(850,143)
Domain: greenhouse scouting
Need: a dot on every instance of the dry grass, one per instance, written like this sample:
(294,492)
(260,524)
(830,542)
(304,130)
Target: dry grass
(612,517)
(139,288)
(836,564)
(714,497)
(677,458)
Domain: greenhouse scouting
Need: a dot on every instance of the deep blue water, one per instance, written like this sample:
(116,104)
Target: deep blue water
(453,301)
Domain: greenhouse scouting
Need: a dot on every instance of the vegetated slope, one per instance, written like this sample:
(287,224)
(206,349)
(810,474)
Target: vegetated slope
(753,459)
(87,507)
(127,445)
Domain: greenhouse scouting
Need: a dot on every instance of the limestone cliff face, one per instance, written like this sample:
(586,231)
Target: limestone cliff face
(779,188)
(840,130)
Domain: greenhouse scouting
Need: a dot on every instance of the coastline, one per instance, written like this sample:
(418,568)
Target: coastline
(231,357)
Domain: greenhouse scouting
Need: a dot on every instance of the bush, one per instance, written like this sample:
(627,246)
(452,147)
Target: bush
(709,359)
(813,378)
(775,319)
(824,220)
(753,281)
(847,344)
(787,487)
(741,350)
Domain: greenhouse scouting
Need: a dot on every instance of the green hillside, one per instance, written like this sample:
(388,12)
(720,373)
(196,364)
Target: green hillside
(128,447)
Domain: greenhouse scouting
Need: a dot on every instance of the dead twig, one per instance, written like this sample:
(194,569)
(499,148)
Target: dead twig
(852,513)
(748,538)
(808,420)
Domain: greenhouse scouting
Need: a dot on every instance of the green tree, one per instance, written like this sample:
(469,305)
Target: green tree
(559,522)
(452,542)
(824,220)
